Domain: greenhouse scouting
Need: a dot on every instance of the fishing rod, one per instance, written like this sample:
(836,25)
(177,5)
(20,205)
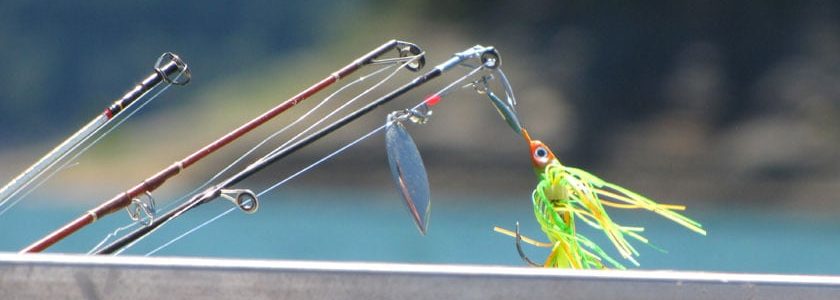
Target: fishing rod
(395,69)
(246,200)
(169,68)
(407,168)
(405,51)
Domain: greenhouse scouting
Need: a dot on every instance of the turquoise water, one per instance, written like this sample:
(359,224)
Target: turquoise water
(371,226)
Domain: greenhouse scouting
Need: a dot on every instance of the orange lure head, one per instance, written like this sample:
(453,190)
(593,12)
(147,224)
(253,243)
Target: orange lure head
(541,155)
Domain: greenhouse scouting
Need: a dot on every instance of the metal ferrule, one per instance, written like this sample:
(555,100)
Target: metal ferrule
(474,52)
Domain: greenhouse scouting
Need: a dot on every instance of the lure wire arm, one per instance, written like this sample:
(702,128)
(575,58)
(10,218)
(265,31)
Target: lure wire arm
(507,87)
(507,107)
(490,60)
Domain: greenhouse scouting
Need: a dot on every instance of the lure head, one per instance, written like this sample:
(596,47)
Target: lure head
(541,155)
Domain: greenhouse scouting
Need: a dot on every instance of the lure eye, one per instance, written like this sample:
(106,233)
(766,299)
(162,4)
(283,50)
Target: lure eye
(541,153)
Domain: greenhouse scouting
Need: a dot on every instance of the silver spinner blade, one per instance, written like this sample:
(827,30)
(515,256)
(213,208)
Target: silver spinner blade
(409,173)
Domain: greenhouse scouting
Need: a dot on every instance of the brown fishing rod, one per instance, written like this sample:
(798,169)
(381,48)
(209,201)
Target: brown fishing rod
(247,200)
(124,199)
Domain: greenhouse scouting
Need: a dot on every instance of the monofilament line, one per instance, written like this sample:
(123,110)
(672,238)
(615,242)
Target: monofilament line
(407,61)
(74,157)
(298,173)
(304,170)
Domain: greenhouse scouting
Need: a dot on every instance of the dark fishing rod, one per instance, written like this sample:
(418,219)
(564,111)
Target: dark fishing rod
(247,200)
(168,68)
(406,51)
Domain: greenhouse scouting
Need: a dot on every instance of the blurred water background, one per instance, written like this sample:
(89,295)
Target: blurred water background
(730,108)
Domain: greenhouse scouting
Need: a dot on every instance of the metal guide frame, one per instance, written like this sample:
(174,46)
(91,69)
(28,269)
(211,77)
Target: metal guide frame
(75,276)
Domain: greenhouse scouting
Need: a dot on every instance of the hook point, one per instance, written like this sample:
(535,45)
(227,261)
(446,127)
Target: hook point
(521,251)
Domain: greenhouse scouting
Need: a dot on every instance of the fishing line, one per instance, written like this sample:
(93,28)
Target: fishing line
(447,89)
(282,130)
(55,171)
(247,153)
(298,173)
(183,234)
(296,137)
(227,190)
(130,196)
(111,235)
(408,60)
(59,153)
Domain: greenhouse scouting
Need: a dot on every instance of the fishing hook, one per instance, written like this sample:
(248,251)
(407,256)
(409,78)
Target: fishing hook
(148,208)
(522,252)
(244,199)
